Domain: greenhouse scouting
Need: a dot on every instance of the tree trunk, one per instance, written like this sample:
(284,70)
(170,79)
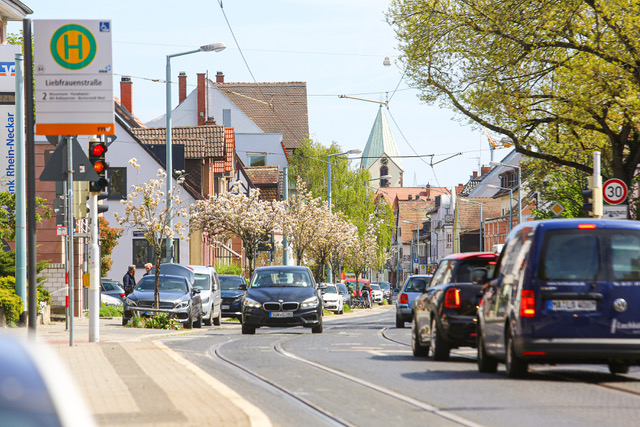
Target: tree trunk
(156,287)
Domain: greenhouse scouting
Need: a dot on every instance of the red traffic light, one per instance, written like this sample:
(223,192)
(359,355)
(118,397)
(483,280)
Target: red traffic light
(98,150)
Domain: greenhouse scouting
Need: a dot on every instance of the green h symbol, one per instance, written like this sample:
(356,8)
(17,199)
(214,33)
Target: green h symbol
(68,47)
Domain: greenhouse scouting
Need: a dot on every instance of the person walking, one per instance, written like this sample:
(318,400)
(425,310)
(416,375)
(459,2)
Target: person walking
(148,266)
(129,280)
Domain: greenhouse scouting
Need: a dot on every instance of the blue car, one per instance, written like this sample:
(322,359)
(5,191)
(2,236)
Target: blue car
(564,291)
(232,295)
(413,286)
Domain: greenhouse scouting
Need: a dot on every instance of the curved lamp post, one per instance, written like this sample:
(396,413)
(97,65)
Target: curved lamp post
(213,47)
(519,186)
(510,202)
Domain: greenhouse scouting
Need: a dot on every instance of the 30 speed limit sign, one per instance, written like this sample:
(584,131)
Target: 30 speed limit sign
(614,191)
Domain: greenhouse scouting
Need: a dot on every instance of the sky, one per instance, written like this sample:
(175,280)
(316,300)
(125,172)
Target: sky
(336,46)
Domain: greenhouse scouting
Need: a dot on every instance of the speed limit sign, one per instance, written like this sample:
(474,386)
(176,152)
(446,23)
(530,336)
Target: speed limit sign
(614,191)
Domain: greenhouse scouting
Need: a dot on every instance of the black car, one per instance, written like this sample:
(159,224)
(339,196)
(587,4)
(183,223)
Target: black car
(232,295)
(178,299)
(445,313)
(281,296)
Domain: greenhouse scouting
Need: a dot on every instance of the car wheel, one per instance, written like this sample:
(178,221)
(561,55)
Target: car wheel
(419,350)
(516,367)
(198,322)
(618,368)
(318,328)
(399,322)
(486,363)
(124,321)
(207,321)
(439,349)
(189,323)
(218,319)
(248,329)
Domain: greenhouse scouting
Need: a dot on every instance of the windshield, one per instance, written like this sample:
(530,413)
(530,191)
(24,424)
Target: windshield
(375,287)
(231,283)
(203,282)
(342,288)
(281,278)
(384,285)
(165,284)
(331,289)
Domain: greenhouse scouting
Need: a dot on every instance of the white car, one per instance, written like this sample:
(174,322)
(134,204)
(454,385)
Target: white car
(109,300)
(208,282)
(332,299)
(377,294)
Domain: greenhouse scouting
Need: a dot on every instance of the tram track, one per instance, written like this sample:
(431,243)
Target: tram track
(324,413)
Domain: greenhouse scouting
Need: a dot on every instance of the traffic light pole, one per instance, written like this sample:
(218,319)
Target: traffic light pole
(70,227)
(597,187)
(94,271)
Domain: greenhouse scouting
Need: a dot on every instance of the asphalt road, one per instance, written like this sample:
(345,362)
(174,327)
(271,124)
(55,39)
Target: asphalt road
(360,372)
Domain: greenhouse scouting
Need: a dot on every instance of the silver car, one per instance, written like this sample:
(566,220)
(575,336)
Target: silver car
(406,297)
(208,283)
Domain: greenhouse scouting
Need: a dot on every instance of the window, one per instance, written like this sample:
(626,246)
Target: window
(143,252)
(625,253)
(257,159)
(569,255)
(117,187)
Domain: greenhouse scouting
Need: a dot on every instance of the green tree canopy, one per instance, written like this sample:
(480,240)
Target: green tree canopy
(560,79)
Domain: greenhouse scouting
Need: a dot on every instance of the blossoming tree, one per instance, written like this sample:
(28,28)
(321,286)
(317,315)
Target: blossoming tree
(146,210)
(235,214)
(364,252)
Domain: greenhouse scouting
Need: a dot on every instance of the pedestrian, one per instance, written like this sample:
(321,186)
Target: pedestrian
(129,280)
(148,266)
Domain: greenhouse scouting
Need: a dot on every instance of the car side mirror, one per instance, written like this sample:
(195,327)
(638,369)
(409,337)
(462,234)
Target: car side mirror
(242,287)
(196,291)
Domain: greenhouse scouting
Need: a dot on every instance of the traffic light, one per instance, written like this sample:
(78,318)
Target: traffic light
(97,151)
(587,202)
(592,204)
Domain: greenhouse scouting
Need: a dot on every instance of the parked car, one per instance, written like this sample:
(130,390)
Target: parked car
(344,291)
(377,295)
(331,298)
(209,285)
(110,301)
(178,299)
(386,289)
(565,291)
(406,295)
(232,295)
(281,296)
(445,313)
(351,284)
(112,288)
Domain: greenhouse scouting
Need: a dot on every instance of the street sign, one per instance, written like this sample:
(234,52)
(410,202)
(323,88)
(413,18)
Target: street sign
(614,191)
(73,77)
(615,212)
(61,230)
(557,208)
(55,167)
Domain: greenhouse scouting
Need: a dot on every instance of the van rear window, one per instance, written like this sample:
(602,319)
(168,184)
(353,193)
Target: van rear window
(569,255)
(625,256)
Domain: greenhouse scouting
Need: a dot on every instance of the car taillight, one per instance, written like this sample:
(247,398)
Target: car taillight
(404,299)
(452,298)
(528,303)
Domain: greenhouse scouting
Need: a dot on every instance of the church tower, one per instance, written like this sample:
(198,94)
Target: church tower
(380,156)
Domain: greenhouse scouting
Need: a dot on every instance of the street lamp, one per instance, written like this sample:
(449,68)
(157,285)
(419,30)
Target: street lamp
(481,233)
(213,47)
(381,177)
(519,186)
(346,153)
(510,202)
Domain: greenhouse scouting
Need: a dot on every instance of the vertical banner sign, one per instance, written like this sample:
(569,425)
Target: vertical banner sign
(7,117)
(73,77)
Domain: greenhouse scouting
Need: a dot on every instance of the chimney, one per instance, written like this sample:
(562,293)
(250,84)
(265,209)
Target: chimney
(459,188)
(475,175)
(484,170)
(219,77)
(428,191)
(125,92)
(182,86)
(202,115)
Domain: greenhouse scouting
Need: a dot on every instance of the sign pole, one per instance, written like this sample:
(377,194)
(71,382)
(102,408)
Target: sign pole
(70,225)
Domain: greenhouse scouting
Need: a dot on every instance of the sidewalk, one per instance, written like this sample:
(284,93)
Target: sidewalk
(130,379)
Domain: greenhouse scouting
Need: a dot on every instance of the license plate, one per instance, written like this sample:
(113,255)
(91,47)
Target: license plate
(572,305)
(225,307)
(281,314)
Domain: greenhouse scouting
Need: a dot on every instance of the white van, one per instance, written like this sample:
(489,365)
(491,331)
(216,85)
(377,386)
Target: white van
(208,283)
